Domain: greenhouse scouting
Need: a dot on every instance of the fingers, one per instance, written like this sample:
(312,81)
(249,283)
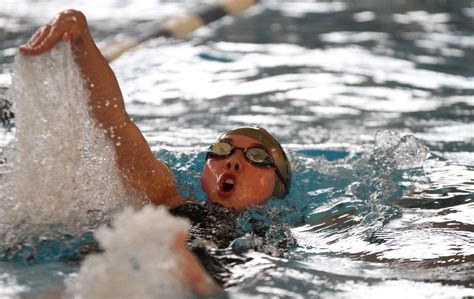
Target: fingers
(69,26)
(38,33)
(43,40)
(39,36)
(35,40)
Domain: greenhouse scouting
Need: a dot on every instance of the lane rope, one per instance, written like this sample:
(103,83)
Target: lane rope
(179,27)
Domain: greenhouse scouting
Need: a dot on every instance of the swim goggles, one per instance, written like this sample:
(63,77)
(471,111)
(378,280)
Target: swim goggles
(255,155)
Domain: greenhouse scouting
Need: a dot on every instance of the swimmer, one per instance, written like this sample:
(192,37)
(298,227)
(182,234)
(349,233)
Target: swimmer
(245,167)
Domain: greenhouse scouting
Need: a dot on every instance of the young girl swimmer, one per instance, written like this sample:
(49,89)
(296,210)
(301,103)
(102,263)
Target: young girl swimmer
(245,167)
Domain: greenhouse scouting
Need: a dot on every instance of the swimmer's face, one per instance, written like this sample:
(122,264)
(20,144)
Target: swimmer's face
(233,181)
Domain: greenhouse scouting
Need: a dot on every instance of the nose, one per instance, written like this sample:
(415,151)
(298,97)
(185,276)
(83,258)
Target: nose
(233,164)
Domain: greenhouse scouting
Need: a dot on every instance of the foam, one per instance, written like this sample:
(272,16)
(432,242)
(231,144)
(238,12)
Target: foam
(62,176)
(138,262)
(401,152)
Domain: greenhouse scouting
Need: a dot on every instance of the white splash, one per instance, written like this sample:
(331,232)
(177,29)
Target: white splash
(402,152)
(62,176)
(139,259)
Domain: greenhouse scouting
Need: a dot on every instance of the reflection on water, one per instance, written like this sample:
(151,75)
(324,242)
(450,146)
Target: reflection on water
(324,77)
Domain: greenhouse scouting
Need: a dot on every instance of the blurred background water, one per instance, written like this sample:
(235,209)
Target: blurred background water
(370,215)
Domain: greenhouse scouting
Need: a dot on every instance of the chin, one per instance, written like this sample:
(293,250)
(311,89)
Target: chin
(236,202)
(225,202)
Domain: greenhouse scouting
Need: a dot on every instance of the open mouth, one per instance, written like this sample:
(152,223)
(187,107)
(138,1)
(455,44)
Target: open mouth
(227,184)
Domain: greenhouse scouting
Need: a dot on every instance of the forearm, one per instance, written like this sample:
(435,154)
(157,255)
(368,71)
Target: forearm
(105,100)
(137,163)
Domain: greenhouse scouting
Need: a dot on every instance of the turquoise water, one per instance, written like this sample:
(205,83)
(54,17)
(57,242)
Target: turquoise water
(372,217)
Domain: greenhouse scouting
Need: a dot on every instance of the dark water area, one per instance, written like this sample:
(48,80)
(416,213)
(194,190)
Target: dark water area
(374,102)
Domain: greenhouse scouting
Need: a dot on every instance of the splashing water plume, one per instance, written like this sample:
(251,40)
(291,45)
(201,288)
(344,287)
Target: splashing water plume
(61,176)
(125,270)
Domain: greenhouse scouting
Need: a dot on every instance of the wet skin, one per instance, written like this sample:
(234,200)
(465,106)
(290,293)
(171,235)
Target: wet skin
(233,181)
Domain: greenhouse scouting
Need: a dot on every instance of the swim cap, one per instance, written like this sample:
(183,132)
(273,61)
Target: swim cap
(282,186)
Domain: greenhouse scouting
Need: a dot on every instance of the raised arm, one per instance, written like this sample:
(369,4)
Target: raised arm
(140,169)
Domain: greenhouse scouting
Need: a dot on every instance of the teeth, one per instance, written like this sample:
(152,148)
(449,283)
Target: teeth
(228,185)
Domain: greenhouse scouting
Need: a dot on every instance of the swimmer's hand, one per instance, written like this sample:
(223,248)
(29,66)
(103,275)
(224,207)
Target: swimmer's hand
(195,275)
(69,26)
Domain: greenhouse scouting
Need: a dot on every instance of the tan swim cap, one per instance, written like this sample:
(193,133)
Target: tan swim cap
(282,185)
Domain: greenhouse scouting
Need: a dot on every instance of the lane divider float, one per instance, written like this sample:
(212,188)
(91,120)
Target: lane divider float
(179,27)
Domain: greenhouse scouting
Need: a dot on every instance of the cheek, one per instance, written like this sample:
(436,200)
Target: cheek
(267,184)
(209,176)
(259,187)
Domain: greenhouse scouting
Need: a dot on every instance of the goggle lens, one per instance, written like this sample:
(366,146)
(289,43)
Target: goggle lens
(257,155)
(221,149)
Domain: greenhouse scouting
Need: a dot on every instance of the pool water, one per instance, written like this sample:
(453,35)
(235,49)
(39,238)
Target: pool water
(373,102)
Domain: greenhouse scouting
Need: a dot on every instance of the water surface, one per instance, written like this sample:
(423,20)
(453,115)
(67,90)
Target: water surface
(370,214)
